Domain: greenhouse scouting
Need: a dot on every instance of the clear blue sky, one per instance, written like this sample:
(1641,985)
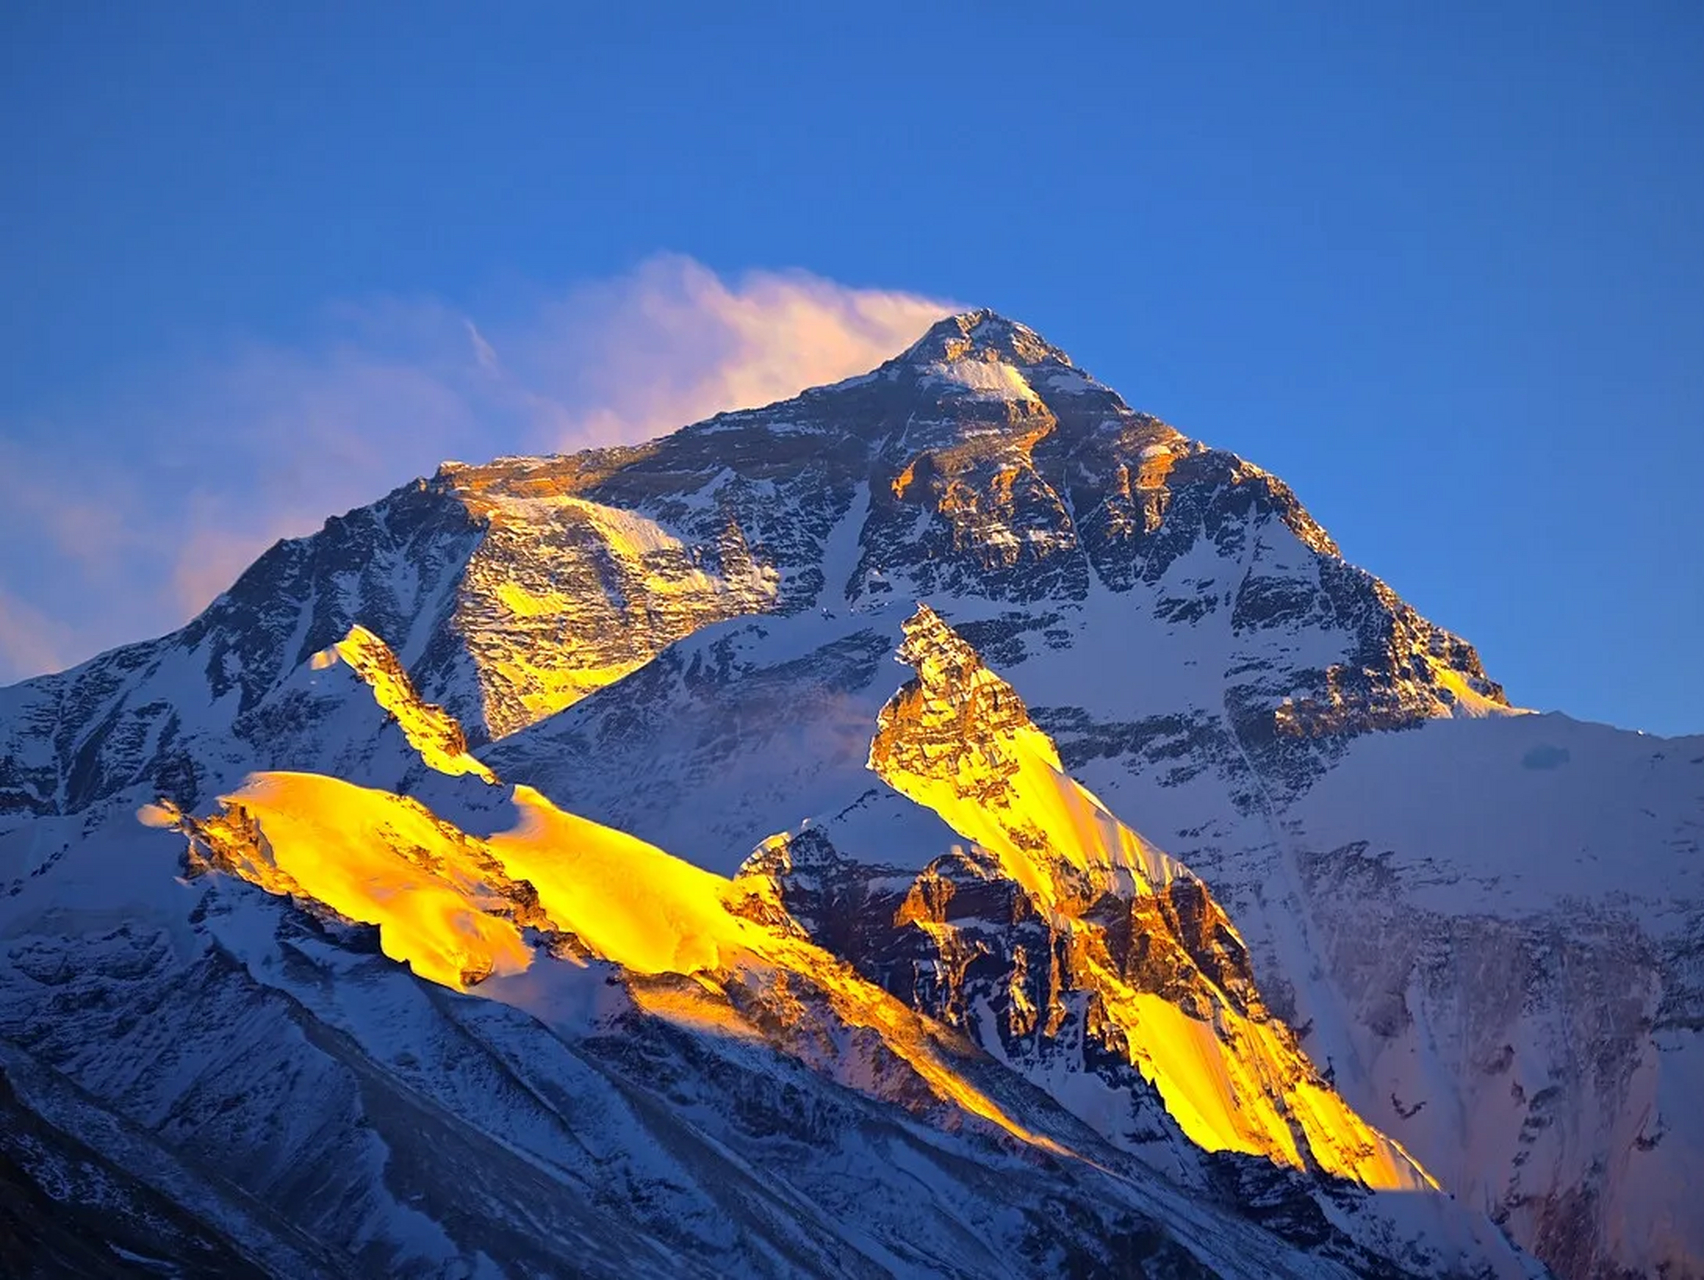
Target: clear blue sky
(1439,266)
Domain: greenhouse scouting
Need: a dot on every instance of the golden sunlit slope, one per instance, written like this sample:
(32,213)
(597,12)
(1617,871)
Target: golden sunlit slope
(628,901)
(431,730)
(442,904)
(565,595)
(457,909)
(697,948)
(451,905)
(958,740)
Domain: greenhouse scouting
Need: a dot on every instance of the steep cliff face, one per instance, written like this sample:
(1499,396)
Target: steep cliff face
(1224,674)
(1534,940)
(1149,981)
(957,739)
(566,594)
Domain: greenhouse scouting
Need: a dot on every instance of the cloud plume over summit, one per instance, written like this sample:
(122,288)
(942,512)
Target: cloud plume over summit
(141,504)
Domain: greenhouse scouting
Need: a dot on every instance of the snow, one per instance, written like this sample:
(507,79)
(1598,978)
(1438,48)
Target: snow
(1459,806)
(887,828)
(443,900)
(841,551)
(1231,1083)
(982,379)
(429,729)
(384,860)
(629,901)
(1069,381)
(1040,821)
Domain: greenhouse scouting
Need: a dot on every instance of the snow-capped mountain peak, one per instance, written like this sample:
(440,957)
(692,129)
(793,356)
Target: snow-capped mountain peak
(981,355)
(1410,922)
(982,335)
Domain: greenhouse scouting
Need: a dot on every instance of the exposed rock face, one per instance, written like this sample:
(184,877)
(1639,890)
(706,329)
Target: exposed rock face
(689,640)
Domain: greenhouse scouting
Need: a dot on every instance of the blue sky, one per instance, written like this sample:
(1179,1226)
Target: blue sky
(1440,268)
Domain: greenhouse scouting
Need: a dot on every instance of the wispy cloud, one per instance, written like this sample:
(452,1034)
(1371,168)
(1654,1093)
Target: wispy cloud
(128,514)
(30,640)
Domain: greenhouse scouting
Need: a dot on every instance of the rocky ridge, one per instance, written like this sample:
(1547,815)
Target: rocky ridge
(1060,940)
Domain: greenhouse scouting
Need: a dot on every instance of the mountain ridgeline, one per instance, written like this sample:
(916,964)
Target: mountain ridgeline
(948,823)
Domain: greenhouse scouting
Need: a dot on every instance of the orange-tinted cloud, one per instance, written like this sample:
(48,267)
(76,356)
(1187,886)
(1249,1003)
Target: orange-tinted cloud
(675,343)
(30,640)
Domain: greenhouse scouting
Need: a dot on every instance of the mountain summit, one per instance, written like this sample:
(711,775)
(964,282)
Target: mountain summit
(985,336)
(565,829)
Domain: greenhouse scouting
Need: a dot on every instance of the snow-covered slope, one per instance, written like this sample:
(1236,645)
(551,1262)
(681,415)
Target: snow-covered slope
(520,914)
(690,642)
(1521,923)
(650,1045)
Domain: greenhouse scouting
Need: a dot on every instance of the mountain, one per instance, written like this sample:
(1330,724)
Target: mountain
(548,868)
